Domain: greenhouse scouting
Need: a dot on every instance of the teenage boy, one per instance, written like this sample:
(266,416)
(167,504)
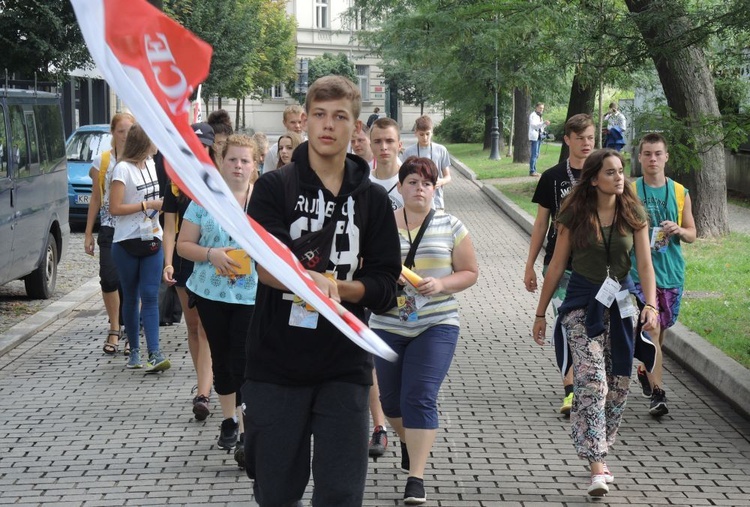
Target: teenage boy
(360,144)
(554,184)
(434,151)
(385,140)
(294,121)
(304,379)
(670,223)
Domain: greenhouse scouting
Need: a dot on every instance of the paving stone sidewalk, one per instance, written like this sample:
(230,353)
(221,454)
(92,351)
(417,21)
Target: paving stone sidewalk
(79,429)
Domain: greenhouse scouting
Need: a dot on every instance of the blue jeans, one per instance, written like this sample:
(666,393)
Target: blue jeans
(279,424)
(535,147)
(139,279)
(409,387)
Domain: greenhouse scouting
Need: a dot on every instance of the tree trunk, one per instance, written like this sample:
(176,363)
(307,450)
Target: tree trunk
(521,147)
(218,102)
(689,89)
(582,99)
(237,102)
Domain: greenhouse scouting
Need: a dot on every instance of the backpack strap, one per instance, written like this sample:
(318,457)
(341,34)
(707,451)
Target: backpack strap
(103,168)
(679,192)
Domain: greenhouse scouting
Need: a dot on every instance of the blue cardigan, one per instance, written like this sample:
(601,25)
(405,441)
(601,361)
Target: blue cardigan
(582,294)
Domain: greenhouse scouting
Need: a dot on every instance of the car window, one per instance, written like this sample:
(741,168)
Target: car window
(19,154)
(51,143)
(84,145)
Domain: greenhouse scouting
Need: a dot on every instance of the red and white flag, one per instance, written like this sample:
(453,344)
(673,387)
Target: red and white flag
(154,64)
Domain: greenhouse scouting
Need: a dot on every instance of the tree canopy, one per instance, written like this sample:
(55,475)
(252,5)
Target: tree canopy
(253,42)
(544,49)
(42,37)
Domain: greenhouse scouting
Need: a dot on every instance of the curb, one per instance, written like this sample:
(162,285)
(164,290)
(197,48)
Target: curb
(54,311)
(725,376)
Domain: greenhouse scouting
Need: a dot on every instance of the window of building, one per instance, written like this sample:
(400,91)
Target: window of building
(359,20)
(363,76)
(276,91)
(321,14)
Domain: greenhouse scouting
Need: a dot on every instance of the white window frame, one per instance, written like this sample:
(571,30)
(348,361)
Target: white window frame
(363,77)
(322,14)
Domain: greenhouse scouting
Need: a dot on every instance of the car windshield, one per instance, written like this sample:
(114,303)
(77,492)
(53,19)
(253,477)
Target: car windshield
(83,146)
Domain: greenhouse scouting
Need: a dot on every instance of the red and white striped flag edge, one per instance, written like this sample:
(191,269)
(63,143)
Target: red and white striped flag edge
(154,64)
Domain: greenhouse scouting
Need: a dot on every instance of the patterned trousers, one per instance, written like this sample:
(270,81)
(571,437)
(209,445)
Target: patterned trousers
(600,396)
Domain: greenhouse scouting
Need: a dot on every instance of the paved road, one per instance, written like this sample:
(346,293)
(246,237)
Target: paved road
(80,429)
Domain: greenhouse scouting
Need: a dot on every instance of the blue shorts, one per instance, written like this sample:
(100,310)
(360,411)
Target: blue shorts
(409,387)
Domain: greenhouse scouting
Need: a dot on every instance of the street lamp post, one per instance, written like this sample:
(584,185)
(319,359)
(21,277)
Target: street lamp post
(495,132)
(300,87)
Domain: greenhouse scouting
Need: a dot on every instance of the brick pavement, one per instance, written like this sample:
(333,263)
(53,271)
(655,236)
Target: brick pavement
(80,429)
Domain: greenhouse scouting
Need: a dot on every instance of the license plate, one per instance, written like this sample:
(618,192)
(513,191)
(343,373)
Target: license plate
(83,199)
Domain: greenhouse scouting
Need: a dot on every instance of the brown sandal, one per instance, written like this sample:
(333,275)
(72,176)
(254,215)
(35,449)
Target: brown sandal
(110,348)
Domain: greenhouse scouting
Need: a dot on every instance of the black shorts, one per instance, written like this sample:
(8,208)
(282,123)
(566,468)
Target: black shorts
(108,277)
(183,268)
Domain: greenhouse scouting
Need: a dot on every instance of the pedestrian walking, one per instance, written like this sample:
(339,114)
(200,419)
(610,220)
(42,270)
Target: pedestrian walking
(670,223)
(223,286)
(599,223)
(136,247)
(305,380)
(423,326)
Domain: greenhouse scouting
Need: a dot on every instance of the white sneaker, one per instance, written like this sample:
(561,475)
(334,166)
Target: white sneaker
(608,477)
(598,485)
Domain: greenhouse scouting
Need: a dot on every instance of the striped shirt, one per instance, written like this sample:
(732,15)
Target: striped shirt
(434,258)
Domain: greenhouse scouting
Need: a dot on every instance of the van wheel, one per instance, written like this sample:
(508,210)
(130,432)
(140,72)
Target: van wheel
(41,283)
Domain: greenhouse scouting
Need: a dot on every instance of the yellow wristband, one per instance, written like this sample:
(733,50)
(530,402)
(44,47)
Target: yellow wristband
(167,266)
(143,205)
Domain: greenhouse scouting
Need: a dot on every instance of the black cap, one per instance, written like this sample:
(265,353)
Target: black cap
(204,132)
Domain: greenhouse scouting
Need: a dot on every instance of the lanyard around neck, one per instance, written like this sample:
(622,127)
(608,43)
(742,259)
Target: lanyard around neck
(607,242)
(573,181)
(666,198)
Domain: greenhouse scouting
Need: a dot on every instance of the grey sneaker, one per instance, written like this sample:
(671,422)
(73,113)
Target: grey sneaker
(134,360)
(156,362)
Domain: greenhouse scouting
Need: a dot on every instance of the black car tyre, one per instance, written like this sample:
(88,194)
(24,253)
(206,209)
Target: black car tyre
(41,283)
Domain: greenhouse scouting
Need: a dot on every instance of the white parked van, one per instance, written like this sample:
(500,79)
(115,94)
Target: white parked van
(34,228)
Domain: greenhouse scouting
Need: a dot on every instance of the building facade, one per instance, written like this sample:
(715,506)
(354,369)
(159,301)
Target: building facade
(323,28)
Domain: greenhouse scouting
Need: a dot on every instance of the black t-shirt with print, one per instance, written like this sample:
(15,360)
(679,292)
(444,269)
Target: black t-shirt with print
(552,188)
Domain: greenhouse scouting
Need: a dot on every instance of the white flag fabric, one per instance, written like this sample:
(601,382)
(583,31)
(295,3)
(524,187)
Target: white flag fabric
(154,65)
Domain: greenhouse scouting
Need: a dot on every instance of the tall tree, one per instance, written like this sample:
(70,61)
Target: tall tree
(669,34)
(40,36)
(253,42)
(328,64)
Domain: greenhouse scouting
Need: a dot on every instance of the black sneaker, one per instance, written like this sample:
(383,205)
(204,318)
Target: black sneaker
(405,463)
(414,491)
(658,403)
(228,436)
(378,442)
(645,384)
(239,452)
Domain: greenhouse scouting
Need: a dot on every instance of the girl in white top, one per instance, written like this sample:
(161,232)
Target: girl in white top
(135,204)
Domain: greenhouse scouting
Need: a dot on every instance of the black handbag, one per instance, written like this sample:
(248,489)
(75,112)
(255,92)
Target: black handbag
(313,250)
(141,248)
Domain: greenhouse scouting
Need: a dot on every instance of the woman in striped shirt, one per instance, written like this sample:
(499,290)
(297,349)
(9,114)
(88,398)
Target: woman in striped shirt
(423,326)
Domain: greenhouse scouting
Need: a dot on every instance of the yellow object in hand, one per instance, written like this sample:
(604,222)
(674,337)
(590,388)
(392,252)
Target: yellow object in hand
(411,276)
